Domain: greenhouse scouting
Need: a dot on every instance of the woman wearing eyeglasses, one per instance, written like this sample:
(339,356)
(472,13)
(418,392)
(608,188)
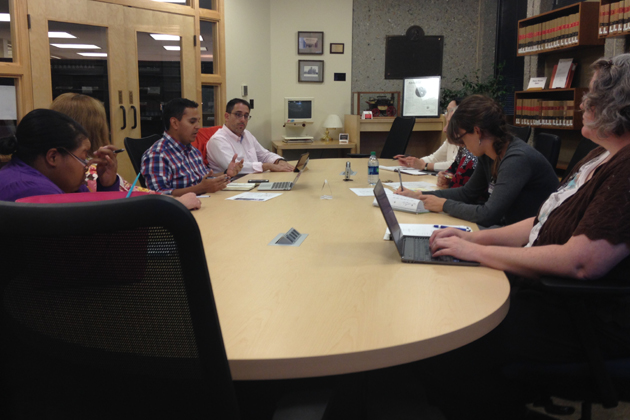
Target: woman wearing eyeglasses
(511,179)
(50,152)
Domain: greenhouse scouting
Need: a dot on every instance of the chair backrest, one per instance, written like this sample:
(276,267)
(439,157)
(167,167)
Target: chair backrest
(135,150)
(549,146)
(398,137)
(201,141)
(583,149)
(522,133)
(101,319)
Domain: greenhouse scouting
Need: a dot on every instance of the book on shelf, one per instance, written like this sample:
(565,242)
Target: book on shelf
(561,75)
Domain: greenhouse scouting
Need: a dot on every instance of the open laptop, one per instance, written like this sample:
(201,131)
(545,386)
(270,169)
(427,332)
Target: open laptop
(412,249)
(286,186)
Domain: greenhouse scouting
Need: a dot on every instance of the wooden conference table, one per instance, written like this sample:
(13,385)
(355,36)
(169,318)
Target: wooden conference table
(342,301)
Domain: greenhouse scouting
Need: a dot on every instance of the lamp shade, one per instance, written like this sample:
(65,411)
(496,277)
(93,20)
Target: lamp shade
(333,121)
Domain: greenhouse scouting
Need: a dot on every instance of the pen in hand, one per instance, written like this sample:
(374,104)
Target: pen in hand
(454,227)
(400,179)
(119,151)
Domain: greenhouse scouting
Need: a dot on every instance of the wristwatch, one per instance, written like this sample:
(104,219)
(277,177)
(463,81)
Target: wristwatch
(278,160)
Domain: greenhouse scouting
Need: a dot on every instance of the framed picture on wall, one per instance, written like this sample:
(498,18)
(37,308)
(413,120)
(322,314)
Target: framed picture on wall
(336,48)
(421,97)
(311,43)
(311,71)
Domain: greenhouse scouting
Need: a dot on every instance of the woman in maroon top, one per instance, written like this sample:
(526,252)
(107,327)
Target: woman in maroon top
(581,231)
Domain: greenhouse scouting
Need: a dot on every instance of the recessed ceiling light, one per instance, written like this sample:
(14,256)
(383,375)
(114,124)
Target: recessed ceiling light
(204,48)
(60,35)
(78,46)
(172,47)
(5,17)
(200,38)
(207,56)
(164,37)
(93,54)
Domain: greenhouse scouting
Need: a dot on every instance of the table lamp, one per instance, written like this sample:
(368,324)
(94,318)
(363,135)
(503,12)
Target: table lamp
(332,121)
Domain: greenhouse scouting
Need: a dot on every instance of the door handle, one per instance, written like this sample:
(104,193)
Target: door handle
(124,117)
(135,117)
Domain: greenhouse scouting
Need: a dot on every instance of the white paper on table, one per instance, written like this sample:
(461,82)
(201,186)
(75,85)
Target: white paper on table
(404,170)
(415,186)
(254,196)
(363,192)
(410,229)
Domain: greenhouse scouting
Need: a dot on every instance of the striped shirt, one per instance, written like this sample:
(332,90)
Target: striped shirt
(169,165)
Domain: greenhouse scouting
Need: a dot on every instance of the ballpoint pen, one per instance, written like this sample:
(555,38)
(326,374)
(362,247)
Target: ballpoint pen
(119,150)
(400,179)
(454,227)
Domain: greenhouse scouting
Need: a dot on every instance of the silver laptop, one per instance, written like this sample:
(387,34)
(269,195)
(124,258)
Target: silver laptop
(412,249)
(286,186)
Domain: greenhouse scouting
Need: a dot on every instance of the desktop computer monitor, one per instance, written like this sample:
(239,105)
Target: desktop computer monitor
(298,110)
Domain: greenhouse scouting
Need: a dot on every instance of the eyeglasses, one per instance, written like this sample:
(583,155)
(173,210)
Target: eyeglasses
(459,138)
(83,162)
(238,115)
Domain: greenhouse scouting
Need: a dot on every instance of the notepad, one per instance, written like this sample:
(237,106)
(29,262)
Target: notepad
(404,170)
(239,186)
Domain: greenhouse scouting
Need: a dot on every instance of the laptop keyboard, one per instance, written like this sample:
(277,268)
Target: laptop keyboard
(281,185)
(420,250)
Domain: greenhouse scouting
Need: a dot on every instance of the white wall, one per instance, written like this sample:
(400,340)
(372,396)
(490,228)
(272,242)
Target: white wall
(261,50)
(248,60)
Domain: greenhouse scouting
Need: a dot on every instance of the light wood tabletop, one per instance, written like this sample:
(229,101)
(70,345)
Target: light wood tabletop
(342,301)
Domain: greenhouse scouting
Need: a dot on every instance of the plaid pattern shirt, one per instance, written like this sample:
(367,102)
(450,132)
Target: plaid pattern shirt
(169,165)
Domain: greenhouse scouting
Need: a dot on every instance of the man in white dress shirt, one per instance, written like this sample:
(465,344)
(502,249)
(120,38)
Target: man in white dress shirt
(233,139)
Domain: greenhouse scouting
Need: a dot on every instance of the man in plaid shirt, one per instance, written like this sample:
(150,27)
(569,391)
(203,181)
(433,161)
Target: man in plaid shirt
(172,165)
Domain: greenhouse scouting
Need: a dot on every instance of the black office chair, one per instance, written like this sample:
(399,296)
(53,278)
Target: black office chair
(522,133)
(135,150)
(112,318)
(584,148)
(549,146)
(598,381)
(397,139)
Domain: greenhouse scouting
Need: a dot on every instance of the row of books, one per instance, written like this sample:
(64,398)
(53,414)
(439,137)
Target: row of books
(538,112)
(557,33)
(614,18)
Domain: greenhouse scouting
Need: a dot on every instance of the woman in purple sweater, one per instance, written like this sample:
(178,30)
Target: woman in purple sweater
(50,152)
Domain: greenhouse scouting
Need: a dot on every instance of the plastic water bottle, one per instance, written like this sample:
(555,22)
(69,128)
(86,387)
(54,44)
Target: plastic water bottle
(372,169)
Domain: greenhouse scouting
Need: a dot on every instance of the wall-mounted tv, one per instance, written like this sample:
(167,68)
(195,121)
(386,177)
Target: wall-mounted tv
(413,56)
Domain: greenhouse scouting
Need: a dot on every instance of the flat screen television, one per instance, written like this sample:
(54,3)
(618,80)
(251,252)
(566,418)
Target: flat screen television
(408,57)
(298,110)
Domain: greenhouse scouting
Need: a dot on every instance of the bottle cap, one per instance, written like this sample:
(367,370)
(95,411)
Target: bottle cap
(373,153)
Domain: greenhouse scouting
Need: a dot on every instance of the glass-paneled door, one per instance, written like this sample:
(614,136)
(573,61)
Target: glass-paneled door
(79,46)
(163,65)
(106,51)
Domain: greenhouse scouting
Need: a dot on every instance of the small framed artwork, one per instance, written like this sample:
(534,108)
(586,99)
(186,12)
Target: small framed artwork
(311,43)
(336,48)
(343,138)
(311,71)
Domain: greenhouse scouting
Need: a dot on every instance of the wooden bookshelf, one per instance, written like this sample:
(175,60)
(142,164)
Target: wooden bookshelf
(583,31)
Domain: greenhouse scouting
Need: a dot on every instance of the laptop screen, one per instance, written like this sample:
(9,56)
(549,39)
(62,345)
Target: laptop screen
(388,214)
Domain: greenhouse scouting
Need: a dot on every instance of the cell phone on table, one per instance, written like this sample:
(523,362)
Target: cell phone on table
(257,181)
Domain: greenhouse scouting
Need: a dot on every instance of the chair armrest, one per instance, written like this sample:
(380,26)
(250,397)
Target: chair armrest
(357,155)
(569,286)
